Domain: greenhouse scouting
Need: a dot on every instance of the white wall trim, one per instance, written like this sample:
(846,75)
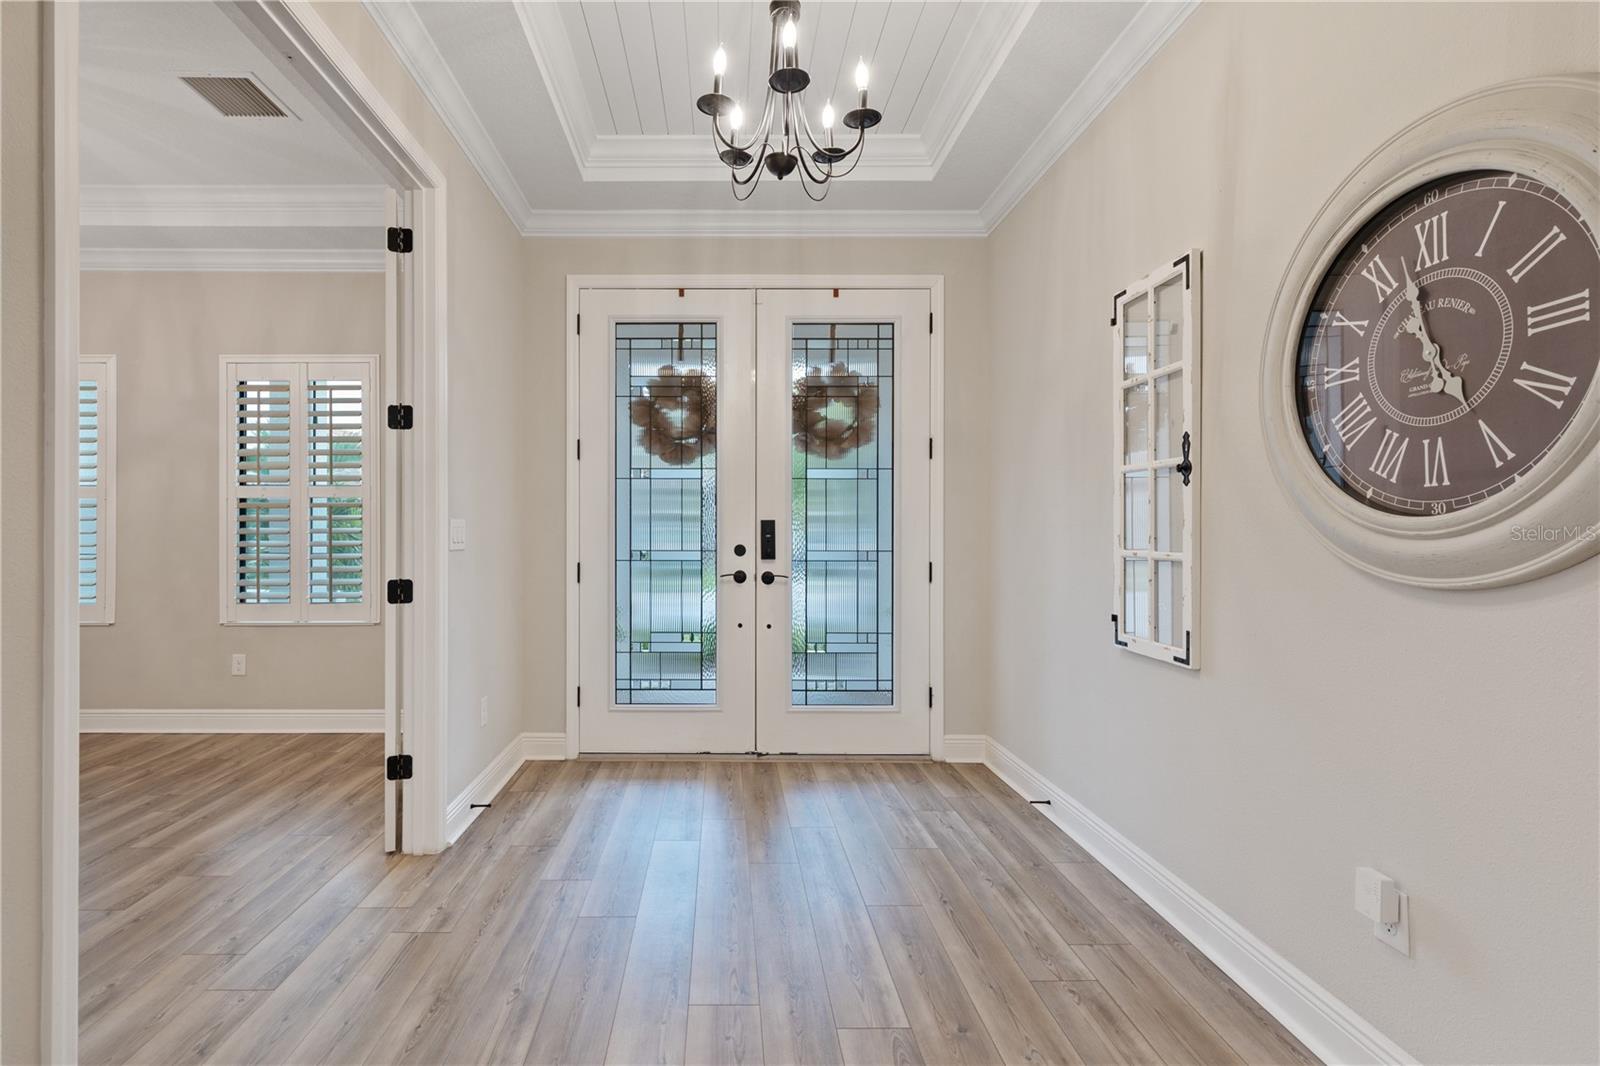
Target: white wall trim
(524,747)
(229,720)
(1139,41)
(232,205)
(420,55)
(770,224)
(1326,1025)
(248,260)
(966,747)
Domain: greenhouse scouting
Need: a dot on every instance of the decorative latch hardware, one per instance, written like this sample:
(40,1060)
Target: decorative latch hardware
(1186,467)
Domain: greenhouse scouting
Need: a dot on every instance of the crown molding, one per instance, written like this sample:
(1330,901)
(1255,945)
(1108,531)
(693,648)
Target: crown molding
(771,224)
(1139,41)
(232,205)
(985,51)
(420,55)
(249,260)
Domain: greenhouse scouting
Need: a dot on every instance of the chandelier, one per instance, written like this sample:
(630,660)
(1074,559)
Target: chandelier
(783,141)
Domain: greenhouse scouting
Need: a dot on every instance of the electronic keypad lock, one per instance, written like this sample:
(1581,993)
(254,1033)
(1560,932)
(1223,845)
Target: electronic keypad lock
(769,538)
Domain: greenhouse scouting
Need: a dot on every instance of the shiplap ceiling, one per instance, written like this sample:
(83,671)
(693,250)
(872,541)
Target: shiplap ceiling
(580,115)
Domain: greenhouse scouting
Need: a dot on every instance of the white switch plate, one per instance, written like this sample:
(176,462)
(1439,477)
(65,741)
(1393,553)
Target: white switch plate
(237,665)
(1398,934)
(458,534)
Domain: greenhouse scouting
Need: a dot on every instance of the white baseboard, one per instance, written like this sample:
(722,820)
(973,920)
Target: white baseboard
(209,720)
(1326,1025)
(483,788)
(965,747)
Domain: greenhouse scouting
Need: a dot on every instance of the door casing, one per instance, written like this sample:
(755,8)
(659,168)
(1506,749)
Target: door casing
(933,283)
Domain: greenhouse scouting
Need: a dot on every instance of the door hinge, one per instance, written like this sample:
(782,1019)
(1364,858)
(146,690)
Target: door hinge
(579,452)
(580,695)
(579,325)
(580,573)
(400,239)
(930,571)
(930,695)
(930,321)
(401,416)
(400,590)
(930,447)
(397,768)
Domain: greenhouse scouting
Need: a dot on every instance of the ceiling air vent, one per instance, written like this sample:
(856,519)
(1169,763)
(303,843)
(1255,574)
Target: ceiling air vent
(235,96)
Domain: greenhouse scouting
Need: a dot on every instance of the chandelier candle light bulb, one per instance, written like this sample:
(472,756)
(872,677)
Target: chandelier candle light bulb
(782,140)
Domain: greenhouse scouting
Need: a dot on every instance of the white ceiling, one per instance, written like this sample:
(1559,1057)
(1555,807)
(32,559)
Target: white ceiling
(580,117)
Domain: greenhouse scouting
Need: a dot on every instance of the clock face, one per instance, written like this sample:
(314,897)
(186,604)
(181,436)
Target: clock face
(1450,343)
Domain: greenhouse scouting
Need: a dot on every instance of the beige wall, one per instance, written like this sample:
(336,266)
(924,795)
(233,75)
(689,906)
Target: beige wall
(21,506)
(1317,737)
(167,648)
(962,263)
(489,377)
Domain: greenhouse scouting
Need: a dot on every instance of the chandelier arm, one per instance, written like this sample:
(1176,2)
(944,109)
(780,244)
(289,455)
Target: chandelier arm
(824,185)
(756,135)
(826,173)
(752,181)
(857,152)
(756,168)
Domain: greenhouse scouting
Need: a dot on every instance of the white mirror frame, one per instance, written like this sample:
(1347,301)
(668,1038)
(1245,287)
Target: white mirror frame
(1544,128)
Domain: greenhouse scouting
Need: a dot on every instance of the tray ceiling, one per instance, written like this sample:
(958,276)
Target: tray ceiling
(580,115)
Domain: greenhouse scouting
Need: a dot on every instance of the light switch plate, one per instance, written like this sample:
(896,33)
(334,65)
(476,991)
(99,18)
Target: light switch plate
(458,534)
(237,664)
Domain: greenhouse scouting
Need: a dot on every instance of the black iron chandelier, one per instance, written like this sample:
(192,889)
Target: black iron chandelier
(783,142)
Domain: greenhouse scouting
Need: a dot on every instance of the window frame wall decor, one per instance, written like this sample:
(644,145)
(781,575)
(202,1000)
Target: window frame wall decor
(1166,462)
(298,490)
(101,371)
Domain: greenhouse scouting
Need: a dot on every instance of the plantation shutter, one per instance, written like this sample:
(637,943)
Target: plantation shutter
(297,542)
(95,473)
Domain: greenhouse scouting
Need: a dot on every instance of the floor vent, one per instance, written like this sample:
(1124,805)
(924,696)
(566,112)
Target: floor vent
(235,96)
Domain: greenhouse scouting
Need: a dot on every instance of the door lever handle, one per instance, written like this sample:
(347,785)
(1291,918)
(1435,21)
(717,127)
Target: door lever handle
(738,576)
(767,577)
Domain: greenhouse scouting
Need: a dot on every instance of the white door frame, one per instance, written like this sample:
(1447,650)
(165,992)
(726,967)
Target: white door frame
(293,35)
(934,283)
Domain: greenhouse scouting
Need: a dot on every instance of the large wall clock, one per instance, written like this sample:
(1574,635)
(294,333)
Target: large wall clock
(1429,390)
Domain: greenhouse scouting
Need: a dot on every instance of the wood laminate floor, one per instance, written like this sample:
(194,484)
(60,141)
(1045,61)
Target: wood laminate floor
(238,908)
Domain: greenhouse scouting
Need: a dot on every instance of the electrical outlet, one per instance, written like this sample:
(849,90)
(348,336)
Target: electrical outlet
(237,666)
(1397,934)
(483,711)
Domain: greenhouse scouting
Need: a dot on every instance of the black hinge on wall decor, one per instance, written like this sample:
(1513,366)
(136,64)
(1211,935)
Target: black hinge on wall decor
(1114,301)
(400,239)
(401,416)
(400,590)
(1184,259)
(1183,660)
(1116,630)
(397,768)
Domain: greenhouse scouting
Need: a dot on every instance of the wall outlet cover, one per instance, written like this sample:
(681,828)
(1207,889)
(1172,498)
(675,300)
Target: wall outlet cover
(237,664)
(1397,934)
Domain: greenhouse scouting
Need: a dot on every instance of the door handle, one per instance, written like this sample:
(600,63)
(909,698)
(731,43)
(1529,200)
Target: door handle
(767,577)
(738,576)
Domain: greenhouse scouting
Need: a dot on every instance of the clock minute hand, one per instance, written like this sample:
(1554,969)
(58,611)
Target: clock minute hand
(1442,379)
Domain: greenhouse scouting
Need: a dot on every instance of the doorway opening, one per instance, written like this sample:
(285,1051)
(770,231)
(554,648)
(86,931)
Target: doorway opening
(755,496)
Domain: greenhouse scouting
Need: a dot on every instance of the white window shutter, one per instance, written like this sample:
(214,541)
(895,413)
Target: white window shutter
(298,440)
(96,489)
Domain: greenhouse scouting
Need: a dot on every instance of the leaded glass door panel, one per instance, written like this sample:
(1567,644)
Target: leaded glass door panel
(842,378)
(666,512)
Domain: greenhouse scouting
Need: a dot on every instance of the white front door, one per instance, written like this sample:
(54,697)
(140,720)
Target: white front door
(753,521)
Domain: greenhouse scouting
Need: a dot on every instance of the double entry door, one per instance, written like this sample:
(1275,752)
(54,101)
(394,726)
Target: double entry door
(753,520)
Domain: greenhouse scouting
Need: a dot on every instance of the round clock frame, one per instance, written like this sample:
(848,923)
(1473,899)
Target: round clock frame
(1549,519)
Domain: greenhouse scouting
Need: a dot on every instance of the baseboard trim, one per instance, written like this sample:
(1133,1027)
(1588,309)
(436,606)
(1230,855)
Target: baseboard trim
(482,789)
(1325,1024)
(233,720)
(965,747)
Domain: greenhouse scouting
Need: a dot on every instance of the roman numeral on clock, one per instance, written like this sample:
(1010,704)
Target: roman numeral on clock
(1391,450)
(1562,312)
(1357,324)
(1386,284)
(1499,207)
(1341,375)
(1530,259)
(1434,472)
(1352,423)
(1547,385)
(1497,447)
(1433,240)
